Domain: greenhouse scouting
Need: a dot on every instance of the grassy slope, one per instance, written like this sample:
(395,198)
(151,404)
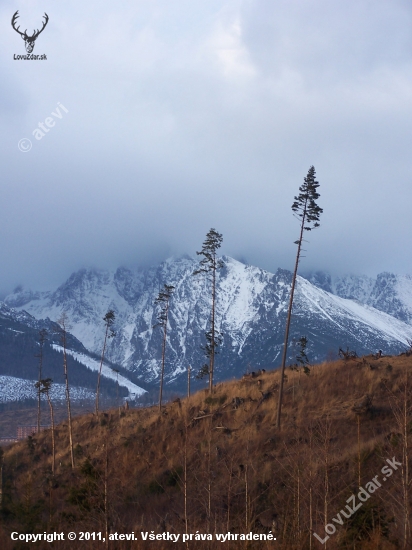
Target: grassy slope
(233,455)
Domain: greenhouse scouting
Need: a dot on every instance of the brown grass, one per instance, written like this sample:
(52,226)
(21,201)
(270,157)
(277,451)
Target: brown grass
(229,447)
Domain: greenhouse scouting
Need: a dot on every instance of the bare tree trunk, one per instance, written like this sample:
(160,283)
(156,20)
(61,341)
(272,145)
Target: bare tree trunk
(188,380)
(106,500)
(185,483)
(406,497)
(1,477)
(69,411)
(212,349)
(401,409)
(209,481)
(359,453)
(310,516)
(42,338)
(310,488)
(52,431)
(326,462)
(246,499)
(285,343)
(405,465)
(50,500)
(117,393)
(63,324)
(163,356)
(298,504)
(229,494)
(38,391)
(100,370)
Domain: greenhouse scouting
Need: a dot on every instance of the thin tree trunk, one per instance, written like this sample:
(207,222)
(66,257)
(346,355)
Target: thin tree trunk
(39,388)
(209,482)
(42,338)
(117,393)
(229,494)
(212,349)
(188,380)
(1,478)
(285,343)
(310,516)
(359,454)
(163,356)
(69,413)
(185,484)
(246,499)
(52,431)
(298,504)
(247,518)
(106,500)
(100,370)
(50,499)
(401,410)
(326,450)
(310,488)
(405,467)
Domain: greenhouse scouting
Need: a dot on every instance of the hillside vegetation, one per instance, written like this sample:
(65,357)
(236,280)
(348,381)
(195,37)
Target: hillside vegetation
(215,463)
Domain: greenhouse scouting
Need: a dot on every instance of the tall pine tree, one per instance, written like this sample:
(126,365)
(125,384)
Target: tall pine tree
(308,213)
(209,265)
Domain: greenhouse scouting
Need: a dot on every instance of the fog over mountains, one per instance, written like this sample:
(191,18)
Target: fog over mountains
(358,312)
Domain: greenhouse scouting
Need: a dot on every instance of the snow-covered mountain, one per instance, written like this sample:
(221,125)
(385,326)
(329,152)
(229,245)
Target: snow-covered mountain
(388,292)
(251,311)
(19,359)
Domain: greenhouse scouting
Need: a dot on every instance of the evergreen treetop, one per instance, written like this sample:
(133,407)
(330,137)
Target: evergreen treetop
(210,246)
(305,206)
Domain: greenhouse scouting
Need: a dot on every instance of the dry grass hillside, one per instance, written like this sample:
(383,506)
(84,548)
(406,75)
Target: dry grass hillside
(216,464)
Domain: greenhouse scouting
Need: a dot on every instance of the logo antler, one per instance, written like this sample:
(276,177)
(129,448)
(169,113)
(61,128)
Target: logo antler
(28,40)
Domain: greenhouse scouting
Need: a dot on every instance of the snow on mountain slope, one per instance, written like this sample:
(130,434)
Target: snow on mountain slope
(107,372)
(85,297)
(341,311)
(250,313)
(328,321)
(389,293)
(19,345)
(353,287)
(393,294)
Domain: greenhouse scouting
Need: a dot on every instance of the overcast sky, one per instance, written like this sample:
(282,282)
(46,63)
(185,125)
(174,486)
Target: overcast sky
(185,115)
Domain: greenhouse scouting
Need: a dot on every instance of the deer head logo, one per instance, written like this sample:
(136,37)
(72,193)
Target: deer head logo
(28,40)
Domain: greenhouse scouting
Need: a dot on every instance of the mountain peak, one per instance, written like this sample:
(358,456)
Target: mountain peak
(251,308)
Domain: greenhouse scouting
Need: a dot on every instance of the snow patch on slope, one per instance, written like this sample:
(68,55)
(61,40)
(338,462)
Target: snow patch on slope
(17,389)
(107,372)
(331,305)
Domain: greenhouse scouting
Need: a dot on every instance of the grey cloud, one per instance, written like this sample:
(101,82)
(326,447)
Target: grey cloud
(191,115)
